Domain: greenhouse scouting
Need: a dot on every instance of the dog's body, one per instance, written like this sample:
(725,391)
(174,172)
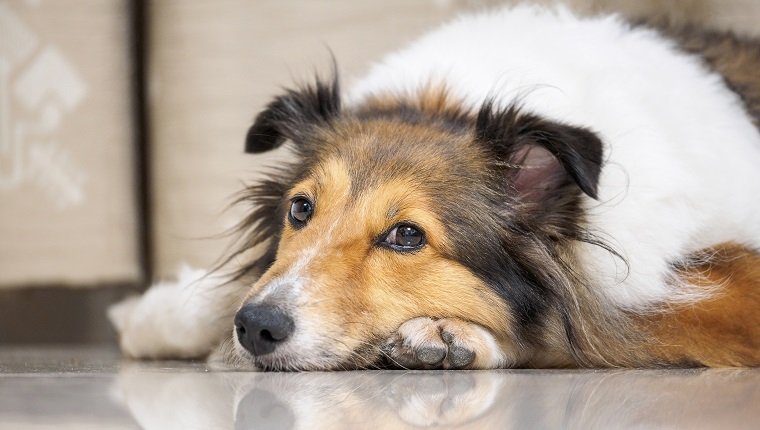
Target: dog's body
(517,188)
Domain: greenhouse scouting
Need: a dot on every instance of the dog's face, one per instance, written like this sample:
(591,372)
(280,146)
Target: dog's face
(405,208)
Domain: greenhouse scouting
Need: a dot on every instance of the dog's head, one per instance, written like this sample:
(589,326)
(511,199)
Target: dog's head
(404,207)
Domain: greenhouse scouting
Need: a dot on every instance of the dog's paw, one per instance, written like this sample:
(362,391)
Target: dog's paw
(448,343)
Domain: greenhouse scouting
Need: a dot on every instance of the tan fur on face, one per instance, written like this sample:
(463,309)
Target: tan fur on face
(360,292)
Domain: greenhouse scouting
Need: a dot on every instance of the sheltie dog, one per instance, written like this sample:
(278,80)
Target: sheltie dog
(519,188)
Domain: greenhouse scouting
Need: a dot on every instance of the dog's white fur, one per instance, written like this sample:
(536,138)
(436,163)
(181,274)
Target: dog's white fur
(182,319)
(683,156)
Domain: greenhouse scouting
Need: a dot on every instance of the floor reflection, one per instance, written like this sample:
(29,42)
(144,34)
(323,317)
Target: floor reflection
(691,399)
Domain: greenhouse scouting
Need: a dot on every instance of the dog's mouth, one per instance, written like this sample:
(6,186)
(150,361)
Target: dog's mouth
(324,361)
(296,356)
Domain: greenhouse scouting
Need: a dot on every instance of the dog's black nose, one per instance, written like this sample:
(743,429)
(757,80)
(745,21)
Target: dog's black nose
(261,327)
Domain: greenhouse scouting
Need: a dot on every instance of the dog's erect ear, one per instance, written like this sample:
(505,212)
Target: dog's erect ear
(540,157)
(294,115)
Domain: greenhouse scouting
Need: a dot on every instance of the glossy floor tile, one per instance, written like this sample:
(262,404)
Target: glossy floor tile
(92,388)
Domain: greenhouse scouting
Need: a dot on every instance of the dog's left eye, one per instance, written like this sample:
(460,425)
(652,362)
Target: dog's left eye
(404,237)
(300,212)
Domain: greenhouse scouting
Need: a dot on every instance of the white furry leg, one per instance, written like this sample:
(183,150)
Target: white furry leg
(183,319)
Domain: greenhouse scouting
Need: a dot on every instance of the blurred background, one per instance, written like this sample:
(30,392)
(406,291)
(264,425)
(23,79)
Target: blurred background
(122,124)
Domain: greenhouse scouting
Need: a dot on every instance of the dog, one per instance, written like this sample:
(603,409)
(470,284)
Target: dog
(522,187)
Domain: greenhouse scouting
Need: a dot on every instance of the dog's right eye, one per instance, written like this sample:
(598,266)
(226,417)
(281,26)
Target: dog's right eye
(404,238)
(300,211)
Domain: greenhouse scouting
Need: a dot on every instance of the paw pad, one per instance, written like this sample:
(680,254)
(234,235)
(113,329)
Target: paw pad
(431,355)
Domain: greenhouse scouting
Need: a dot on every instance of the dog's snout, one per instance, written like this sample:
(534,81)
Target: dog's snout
(261,327)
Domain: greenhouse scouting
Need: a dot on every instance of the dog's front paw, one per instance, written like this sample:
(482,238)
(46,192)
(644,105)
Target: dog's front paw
(448,343)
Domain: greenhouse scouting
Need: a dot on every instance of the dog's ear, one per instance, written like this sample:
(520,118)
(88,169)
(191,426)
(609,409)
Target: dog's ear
(294,115)
(544,161)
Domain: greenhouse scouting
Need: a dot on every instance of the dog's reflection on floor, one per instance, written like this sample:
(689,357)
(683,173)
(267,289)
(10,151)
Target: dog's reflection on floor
(489,399)
(354,400)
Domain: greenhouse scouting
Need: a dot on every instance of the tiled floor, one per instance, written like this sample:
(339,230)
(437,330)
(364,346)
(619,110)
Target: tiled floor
(91,388)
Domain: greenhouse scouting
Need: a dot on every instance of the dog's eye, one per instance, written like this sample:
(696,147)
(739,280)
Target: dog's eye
(404,237)
(300,211)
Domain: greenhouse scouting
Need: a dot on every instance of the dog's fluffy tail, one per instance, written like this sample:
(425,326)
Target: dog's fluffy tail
(187,318)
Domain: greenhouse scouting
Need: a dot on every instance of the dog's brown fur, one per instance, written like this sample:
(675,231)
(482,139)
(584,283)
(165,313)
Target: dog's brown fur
(722,330)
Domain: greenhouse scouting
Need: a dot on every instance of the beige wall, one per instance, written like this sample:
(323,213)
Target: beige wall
(67,200)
